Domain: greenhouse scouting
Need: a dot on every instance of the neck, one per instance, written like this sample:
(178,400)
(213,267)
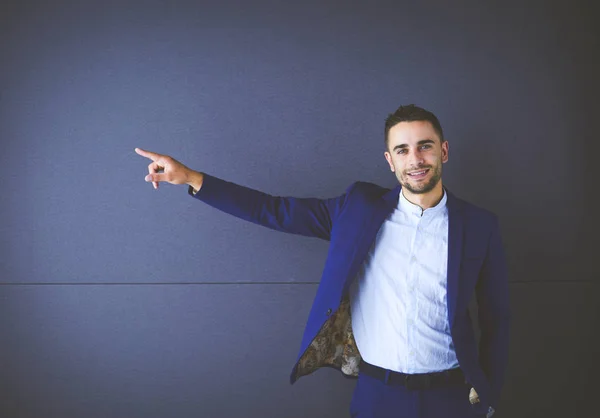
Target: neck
(425,200)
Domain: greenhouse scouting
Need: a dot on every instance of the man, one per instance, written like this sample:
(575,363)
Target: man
(392,304)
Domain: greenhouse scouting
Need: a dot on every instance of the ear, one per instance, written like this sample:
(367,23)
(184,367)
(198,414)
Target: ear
(388,158)
(445,151)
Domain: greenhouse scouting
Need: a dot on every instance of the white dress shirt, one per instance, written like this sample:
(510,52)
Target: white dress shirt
(398,299)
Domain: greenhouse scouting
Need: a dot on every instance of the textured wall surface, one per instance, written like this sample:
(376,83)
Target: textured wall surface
(117,300)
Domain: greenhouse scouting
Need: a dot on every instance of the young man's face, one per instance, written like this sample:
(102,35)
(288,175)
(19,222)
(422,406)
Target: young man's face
(416,155)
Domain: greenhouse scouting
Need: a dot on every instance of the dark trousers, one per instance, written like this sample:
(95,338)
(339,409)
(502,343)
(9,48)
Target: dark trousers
(373,398)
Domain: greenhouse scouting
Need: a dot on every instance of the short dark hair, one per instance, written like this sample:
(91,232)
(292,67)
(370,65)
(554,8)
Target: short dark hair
(411,113)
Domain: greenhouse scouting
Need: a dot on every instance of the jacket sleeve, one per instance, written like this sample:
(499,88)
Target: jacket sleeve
(310,217)
(494,314)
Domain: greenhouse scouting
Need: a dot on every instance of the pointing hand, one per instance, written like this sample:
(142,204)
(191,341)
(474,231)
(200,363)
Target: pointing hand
(164,169)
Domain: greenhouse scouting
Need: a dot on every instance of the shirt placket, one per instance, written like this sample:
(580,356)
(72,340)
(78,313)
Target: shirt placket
(412,286)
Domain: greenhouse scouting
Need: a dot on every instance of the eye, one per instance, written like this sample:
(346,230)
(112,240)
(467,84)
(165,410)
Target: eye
(402,151)
(426,146)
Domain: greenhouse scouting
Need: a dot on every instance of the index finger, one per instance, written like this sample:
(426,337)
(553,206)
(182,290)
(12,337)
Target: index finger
(152,155)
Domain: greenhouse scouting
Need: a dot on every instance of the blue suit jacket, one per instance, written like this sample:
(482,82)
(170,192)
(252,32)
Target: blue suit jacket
(476,263)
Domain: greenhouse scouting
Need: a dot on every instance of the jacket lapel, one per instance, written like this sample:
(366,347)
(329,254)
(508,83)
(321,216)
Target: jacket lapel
(455,244)
(371,225)
(391,197)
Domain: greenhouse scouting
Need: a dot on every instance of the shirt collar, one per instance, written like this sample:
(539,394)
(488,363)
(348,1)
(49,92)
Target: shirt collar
(410,207)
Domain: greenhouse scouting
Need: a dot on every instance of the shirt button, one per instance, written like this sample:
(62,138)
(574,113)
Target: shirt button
(328,311)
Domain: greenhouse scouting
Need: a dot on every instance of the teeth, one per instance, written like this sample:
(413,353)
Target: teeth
(417,173)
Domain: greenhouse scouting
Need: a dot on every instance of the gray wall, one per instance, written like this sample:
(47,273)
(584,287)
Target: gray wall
(117,300)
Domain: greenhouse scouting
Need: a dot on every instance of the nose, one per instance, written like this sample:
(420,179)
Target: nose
(416,159)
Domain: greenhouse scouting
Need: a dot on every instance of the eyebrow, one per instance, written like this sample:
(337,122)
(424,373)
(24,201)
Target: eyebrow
(421,142)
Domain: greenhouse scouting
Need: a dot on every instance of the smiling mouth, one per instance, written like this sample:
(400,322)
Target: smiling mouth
(418,174)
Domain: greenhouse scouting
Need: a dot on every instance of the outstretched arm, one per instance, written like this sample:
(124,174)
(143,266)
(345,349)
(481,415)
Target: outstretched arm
(310,217)
(303,216)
